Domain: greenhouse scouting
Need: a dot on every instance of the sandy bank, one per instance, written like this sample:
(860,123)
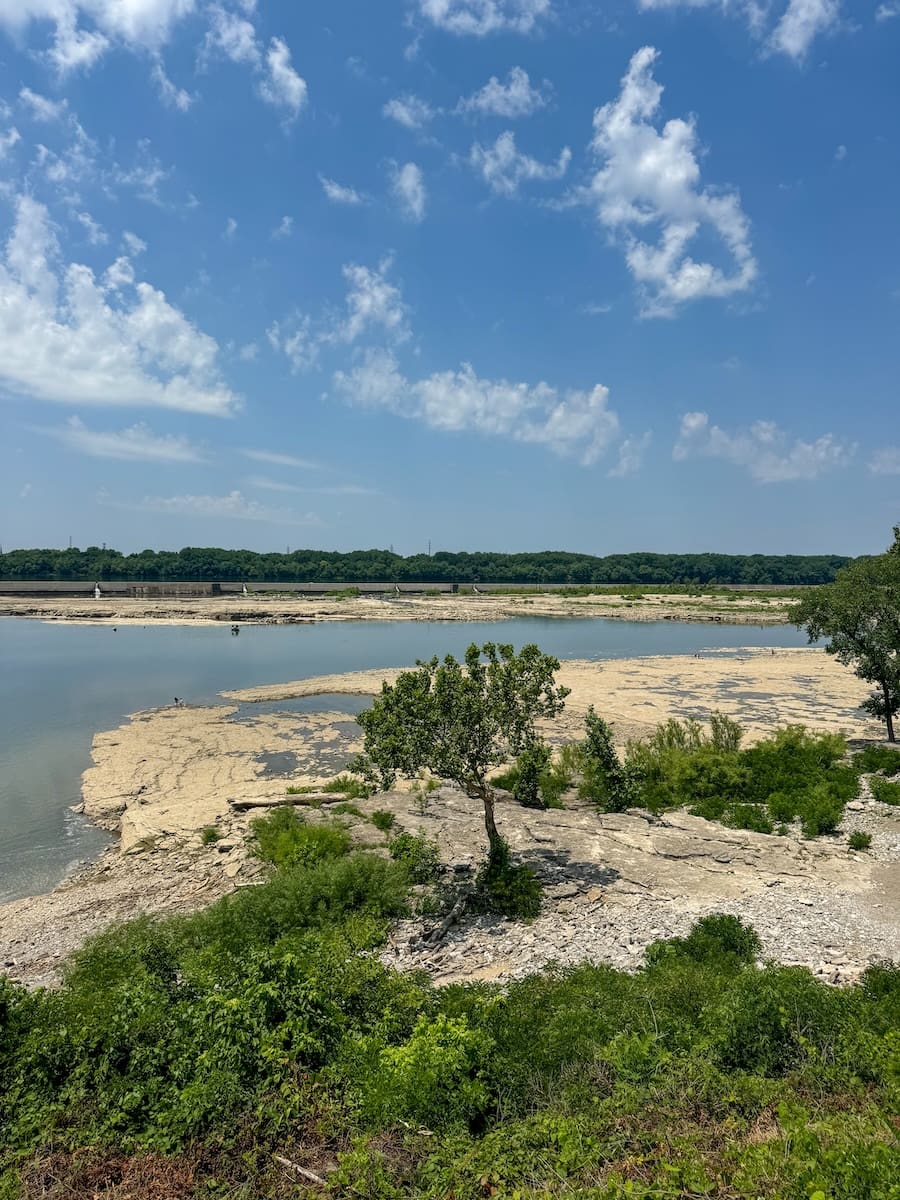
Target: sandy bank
(758,609)
(165,775)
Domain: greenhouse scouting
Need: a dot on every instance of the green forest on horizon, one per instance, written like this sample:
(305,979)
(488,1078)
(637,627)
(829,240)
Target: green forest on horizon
(358,566)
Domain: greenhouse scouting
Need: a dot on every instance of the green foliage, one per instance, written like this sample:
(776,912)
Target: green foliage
(885,790)
(209,834)
(383,820)
(283,837)
(791,775)
(859,840)
(510,890)
(860,613)
(417,855)
(604,780)
(531,766)
(878,758)
(221,1043)
(675,572)
(460,720)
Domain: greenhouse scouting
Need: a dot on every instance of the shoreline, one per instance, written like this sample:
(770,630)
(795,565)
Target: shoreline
(164,775)
(758,609)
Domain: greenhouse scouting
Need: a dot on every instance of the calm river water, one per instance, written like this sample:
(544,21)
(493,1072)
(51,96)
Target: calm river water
(60,684)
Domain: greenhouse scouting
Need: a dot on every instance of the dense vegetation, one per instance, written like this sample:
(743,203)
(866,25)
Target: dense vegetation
(322,566)
(195,1057)
(794,775)
(860,613)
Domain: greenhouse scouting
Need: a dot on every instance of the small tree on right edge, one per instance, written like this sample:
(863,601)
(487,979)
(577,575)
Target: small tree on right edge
(860,612)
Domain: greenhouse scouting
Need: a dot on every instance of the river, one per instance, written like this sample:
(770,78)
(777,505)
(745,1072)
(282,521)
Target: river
(60,684)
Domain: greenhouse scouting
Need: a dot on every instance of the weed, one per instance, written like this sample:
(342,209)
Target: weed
(859,840)
(209,835)
(417,855)
(383,820)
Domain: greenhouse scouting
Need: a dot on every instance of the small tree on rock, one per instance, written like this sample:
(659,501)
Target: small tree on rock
(459,720)
(860,612)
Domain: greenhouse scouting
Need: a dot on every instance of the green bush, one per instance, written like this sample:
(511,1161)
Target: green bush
(884,790)
(531,766)
(283,837)
(417,855)
(383,820)
(859,840)
(604,780)
(506,888)
(208,835)
(715,939)
(878,758)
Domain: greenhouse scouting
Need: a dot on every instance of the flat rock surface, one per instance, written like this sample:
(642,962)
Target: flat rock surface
(613,883)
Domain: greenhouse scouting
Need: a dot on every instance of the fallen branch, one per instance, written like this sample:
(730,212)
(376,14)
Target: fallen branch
(311,1176)
(312,798)
(451,918)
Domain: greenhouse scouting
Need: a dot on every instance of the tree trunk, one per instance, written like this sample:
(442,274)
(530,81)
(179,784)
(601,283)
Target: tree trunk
(888,717)
(495,841)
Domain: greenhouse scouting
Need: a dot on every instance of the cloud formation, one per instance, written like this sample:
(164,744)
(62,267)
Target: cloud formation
(649,181)
(764,450)
(503,166)
(794,30)
(137,444)
(512,99)
(71,338)
(233,506)
(408,189)
(478,18)
(573,423)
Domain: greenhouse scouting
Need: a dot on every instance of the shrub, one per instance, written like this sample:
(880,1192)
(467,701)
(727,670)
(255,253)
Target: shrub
(820,810)
(878,758)
(716,938)
(884,790)
(383,820)
(209,835)
(417,855)
(284,839)
(859,840)
(531,766)
(509,889)
(604,780)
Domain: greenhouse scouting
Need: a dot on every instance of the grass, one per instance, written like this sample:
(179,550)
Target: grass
(342,785)
(885,790)
(383,820)
(209,835)
(859,840)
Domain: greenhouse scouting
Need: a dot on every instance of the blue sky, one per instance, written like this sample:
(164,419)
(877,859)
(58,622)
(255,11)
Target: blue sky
(497,274)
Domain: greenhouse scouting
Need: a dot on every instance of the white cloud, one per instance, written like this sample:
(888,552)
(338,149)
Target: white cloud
(514,98)
(409,111)
(133,244)
(408,188)
(888,10)
(231,227)
(572,423)
(136,444)
(282,86)
(170,93)
(885,461)
(277,459)
(594,309)
(233,506)
(233,36)
(40,107)
(481,17)
(249,352)
(372,303)
(337,193)
(801,24)
(503,167)
(96,234)
(8,140)
(296,339)
(284,228)
(651,180)
(263,483)
(68,338)
(840,154)
(136,24)
(764,450)
(26,491)
(631,456)
(798,25)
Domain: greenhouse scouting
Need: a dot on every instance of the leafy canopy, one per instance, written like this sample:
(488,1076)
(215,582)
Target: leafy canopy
(458,720)
(860,613)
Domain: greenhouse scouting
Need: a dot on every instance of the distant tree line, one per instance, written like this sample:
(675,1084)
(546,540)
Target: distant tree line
(195,563)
